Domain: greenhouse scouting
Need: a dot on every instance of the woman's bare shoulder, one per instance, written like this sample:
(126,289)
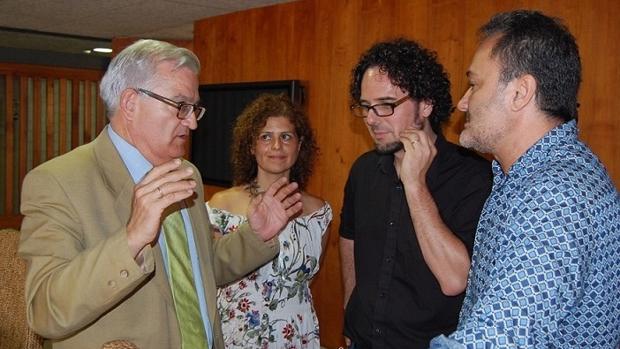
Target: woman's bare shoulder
(311,203)
(230,199)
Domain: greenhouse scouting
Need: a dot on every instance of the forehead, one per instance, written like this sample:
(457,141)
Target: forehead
(377,84)
(278,122)
(482,63)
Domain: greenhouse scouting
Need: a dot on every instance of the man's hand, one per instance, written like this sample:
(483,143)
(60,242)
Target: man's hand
(269,212)
(162,186)
(419,154)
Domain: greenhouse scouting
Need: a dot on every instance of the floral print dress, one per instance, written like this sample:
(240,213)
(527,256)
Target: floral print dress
(272,306)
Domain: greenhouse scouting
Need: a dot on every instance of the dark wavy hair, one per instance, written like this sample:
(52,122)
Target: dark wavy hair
(248,126)
(533,43)
(412,68)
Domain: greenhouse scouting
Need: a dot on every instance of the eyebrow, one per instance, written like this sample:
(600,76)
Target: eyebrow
(184,99)
(381,100)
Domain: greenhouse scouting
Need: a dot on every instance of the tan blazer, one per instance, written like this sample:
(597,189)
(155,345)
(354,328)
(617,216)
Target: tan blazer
(83,287)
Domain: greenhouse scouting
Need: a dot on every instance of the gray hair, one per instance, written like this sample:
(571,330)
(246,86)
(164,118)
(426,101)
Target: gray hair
(136,66)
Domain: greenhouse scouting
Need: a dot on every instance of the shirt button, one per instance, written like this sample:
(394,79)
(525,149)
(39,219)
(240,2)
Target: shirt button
(112,283)
(391,223)
(388,260)
(124,273)
(378,331)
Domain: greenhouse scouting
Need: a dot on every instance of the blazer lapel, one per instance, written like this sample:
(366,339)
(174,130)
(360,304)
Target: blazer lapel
(121,185)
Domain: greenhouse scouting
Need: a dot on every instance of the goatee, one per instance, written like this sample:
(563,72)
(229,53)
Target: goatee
(389,148)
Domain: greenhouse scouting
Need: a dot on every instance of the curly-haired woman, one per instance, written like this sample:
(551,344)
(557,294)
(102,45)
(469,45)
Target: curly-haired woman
(272,306)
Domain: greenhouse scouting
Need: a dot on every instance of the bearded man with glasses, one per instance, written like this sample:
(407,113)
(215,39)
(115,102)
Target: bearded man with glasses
(411,206)
(115,232)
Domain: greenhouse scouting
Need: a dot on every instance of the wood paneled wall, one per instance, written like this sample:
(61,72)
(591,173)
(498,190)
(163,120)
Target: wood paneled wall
(45,112)
(319,41)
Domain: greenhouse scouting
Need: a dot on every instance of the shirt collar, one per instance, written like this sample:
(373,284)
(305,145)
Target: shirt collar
(137,165)
(540,152)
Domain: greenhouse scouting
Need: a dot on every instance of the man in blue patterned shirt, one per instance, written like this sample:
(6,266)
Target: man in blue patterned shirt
(546,263)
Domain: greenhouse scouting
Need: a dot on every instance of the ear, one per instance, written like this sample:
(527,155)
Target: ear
(524,92)
(425,108)
(128,103)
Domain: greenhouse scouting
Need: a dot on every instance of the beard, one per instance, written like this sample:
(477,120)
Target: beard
(390,148)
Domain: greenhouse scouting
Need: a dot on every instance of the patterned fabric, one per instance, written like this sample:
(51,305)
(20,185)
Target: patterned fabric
(546,263)
(272,307)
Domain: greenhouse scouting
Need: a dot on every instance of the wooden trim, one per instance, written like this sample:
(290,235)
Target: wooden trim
(62,120)
(50,72)
(75,113)
(23,129)
(36,122)
(88,119)
(49,117)
(11,221)
(10,137)
(101,117)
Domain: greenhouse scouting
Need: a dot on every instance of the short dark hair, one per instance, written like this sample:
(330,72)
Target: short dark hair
(533,43)
(248,126)
(414,69)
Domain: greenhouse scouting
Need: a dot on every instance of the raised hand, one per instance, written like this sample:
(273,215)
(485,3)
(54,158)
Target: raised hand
(269,212)
(419,154)
(162,186)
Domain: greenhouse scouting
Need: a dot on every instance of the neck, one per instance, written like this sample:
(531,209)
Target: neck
(264,180)
(522,138)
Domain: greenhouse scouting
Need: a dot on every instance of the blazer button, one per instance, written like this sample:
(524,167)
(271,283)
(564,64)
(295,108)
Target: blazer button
(124,273)
(112,283)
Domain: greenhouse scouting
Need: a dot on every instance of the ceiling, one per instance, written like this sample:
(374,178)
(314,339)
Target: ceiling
(72,26)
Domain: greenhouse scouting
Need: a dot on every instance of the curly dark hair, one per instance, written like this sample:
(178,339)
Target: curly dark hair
(412,68)
(248,126)
(533,43)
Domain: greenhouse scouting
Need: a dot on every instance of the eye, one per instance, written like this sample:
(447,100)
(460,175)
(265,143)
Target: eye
(287,137)
(264,137)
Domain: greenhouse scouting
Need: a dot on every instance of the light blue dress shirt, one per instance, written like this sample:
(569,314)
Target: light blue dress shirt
(138,167)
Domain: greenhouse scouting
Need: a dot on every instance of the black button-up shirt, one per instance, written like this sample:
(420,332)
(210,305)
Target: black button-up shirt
(397,302)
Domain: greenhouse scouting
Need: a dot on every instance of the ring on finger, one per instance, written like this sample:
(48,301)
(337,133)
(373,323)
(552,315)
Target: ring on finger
(161,193)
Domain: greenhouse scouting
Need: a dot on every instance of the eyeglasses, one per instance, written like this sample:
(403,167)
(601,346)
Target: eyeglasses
(380,109)
(184,110)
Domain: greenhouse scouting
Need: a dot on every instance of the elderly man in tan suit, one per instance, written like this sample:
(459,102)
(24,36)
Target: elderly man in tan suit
(99,263)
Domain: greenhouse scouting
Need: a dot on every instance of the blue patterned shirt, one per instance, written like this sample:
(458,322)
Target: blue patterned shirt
(546,263)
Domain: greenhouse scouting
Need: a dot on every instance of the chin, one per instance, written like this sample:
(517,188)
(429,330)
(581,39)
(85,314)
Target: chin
(389,148)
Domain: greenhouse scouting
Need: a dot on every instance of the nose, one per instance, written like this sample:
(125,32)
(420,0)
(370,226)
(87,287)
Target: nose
(371,117)
(276,143)
(463,104)
(190,122)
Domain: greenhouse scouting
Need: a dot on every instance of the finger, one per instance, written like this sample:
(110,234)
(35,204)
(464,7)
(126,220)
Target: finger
(158,171)
(167,182)
(275,186)
(293,210)
(280,190)
(172,188)
(291,200)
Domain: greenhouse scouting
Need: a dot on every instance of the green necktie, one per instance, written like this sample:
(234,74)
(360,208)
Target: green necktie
(182,283)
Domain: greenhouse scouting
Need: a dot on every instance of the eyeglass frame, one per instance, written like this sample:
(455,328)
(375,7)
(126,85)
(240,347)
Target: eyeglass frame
(175,104)
(368,108)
